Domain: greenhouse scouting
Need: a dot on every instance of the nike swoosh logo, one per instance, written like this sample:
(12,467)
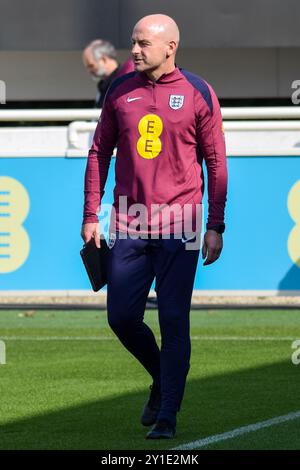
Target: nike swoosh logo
(133,99)
(185,240)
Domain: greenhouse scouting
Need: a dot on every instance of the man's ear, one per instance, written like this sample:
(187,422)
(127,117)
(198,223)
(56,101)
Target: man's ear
(171,49)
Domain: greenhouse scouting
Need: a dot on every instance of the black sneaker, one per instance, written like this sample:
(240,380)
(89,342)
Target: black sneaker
(162,430)
(152,407)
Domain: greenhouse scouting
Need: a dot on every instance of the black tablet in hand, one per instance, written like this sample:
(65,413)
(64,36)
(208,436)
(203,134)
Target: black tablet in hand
(95,261)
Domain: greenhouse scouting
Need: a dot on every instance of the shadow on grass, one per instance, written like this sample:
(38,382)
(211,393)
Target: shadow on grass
(211,405)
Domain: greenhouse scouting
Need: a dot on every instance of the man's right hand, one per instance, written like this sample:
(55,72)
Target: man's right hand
(90,230)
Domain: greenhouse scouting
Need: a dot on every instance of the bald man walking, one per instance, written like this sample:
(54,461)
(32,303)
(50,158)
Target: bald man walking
(165,122)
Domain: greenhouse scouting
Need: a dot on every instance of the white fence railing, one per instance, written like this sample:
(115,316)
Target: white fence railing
(272,112)
(249,131)
(32,115)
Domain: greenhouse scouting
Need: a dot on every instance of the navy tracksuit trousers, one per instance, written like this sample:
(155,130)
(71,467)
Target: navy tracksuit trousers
(133,265)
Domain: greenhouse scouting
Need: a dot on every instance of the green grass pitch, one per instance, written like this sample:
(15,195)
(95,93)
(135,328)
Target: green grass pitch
(69,384)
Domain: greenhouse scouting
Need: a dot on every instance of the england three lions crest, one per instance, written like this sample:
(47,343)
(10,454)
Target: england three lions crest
(176,101)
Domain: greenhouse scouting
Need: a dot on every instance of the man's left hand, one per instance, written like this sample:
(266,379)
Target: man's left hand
(212,246)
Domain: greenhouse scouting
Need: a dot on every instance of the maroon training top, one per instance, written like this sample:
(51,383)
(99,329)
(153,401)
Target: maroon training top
(163,131)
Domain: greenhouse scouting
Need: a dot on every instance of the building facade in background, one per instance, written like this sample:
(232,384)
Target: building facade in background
(245,49)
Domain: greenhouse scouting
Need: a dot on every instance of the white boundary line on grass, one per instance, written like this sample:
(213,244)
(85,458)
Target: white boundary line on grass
(238,432)
(109,338)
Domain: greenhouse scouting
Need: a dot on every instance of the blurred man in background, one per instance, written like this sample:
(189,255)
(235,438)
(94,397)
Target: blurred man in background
(100,59)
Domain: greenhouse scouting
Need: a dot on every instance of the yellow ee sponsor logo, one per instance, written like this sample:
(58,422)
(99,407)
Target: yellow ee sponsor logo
(14,240)
(150,128)
(294,210)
